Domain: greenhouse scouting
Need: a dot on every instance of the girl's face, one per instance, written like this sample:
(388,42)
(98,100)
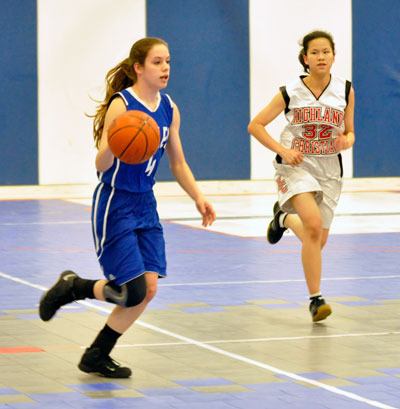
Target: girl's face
(155,71)
(319,56)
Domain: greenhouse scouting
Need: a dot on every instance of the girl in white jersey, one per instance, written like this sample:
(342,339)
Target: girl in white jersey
(127,232)
(320,112)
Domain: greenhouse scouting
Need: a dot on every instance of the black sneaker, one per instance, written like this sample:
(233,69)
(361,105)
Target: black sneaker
(58,295)
(93,362)
(275,231)
(319,309)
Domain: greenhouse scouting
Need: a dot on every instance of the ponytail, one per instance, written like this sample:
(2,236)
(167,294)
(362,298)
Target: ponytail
(122,76)
(118,78)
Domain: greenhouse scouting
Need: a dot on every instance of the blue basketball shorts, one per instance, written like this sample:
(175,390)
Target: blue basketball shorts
(127,234)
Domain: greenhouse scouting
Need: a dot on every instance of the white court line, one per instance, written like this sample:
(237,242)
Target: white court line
(21,281)
(228,354)
(290,280)
(270,339)
(209,283)
(44,223)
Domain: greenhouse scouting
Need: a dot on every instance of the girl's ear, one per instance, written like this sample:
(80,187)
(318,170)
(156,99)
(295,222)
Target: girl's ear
(137,68)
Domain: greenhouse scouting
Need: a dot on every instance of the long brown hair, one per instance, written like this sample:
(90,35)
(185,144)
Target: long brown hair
(122,76)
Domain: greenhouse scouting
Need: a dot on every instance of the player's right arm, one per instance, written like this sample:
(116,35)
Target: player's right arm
(257,128)
(104,157)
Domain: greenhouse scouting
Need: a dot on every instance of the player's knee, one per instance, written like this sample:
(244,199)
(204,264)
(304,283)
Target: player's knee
(129,294)
(137,291)
(324,238)
(151,292)
(313,229)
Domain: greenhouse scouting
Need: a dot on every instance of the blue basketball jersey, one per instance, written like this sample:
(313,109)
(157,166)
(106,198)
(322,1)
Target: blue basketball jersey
(141,177)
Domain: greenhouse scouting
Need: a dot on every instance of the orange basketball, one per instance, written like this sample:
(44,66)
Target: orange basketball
(133,137)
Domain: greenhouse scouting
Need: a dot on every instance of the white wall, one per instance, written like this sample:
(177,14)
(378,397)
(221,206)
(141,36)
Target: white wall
(78,42)
(276,27)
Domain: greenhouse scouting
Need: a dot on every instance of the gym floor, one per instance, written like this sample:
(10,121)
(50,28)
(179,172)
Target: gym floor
(229,327)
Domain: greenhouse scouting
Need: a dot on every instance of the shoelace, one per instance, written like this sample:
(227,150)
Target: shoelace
(112,362)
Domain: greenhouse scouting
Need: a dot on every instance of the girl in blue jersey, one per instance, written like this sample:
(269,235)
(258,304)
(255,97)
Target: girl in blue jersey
(319,109)
(127,232)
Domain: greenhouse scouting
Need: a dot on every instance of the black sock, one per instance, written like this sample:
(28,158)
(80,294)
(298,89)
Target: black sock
(106,340)
(83,288)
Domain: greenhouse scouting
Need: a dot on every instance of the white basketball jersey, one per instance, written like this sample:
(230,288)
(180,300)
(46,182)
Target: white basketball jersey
(314,123)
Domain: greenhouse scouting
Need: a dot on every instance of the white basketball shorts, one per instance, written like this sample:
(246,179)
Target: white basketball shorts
(322,175)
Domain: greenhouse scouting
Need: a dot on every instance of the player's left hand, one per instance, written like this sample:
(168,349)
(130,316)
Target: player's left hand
(207,212)
(341,143)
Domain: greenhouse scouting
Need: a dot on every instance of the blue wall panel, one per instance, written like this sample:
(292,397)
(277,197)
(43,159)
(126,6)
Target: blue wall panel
(18,102)
(209,45)
(376,77)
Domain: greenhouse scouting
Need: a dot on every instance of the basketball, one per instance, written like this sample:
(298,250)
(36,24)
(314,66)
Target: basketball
(133,137)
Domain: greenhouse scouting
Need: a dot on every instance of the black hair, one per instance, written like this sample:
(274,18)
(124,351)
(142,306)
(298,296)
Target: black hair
(306,41)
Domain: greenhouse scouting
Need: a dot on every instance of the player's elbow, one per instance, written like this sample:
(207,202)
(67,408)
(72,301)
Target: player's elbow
(100,167)
(251,127)
(103,162)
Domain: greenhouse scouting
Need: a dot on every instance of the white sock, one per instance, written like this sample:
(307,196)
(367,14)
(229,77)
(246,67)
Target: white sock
(315,295)
(282,219)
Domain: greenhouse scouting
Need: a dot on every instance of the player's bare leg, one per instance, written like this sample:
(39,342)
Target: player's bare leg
(294,223)
(308,227)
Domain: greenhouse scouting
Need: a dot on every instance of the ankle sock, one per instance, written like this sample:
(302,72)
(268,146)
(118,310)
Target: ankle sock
(106,340)
(315,296)
(282,218)
(83,288)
